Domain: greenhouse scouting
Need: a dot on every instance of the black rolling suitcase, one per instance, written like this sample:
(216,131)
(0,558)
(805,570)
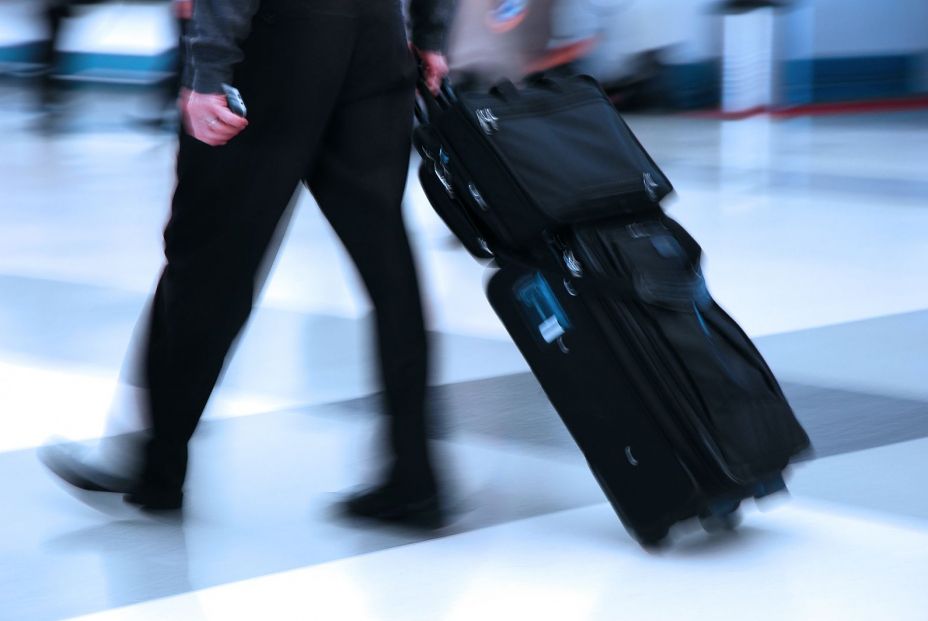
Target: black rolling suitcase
(674,409)
(636,466)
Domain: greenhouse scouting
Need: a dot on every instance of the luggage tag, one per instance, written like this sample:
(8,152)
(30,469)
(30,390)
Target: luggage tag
(542,310)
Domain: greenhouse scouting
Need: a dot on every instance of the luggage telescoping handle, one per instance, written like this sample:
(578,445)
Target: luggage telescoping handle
(548,81)
(507,91)
(432,102)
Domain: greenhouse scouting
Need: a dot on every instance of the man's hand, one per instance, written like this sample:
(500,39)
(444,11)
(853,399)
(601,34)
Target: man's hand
(434,66)
(208,118)
(183,9)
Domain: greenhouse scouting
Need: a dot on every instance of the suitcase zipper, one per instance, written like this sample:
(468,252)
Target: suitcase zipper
(645,346)
(678,432)
(747,343)
(660,367)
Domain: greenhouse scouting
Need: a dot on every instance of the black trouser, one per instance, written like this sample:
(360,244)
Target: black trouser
(329,89)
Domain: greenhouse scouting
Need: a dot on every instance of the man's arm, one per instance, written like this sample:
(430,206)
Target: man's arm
(183,9)
(211,49)
(430,20)
(212,43)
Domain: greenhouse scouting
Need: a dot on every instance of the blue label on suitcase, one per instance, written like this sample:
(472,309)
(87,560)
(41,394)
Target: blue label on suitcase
(541,308)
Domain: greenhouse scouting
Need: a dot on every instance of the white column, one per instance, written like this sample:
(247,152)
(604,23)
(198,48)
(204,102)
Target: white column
(747,60)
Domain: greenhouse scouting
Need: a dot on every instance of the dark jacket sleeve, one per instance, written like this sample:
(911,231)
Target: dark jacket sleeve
(429,21)
(212,42)
(214,36)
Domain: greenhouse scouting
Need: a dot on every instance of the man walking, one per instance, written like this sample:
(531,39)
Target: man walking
(329,87)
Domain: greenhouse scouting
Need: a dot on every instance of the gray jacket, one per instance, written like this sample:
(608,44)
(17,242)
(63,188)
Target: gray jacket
(214,35)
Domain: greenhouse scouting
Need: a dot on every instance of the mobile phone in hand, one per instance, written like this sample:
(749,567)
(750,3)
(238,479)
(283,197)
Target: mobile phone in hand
(234,100)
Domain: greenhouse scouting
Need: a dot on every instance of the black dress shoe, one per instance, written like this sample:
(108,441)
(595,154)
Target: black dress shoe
(71,466)
(155,500)
(388,505)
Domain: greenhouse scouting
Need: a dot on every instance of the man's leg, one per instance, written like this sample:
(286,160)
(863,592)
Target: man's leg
(225,212)
(226,208)
(358,182)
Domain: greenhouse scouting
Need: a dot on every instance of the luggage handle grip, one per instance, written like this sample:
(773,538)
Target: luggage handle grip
(546,80)
(442,100)
(428,102)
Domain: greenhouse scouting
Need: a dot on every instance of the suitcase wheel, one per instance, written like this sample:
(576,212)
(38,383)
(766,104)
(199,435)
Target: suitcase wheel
(721,516)
(652,540)
(768,487)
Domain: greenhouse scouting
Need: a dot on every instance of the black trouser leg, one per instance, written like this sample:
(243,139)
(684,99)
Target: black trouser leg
(202,300)
(358,181)
(360,191)
(225,210)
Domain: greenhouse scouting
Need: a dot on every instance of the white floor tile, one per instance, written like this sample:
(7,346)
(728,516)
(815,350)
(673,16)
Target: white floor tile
(802,561)
(40,404)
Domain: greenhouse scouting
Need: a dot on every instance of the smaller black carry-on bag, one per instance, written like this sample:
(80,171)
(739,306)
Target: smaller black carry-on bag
(534,159)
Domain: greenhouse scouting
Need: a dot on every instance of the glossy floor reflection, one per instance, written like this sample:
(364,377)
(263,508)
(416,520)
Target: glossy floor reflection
(805,562)
(814,232)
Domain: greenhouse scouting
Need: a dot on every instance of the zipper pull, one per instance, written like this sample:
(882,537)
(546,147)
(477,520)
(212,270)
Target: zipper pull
(478,198)
(650,186)
(572,263)
(488,121)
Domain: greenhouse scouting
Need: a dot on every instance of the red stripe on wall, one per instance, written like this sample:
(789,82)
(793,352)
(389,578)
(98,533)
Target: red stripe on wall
(821,109)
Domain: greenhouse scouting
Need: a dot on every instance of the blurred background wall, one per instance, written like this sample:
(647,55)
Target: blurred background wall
(116,42)
(826,50)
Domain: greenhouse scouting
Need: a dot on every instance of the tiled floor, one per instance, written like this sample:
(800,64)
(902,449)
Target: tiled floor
(815,236)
